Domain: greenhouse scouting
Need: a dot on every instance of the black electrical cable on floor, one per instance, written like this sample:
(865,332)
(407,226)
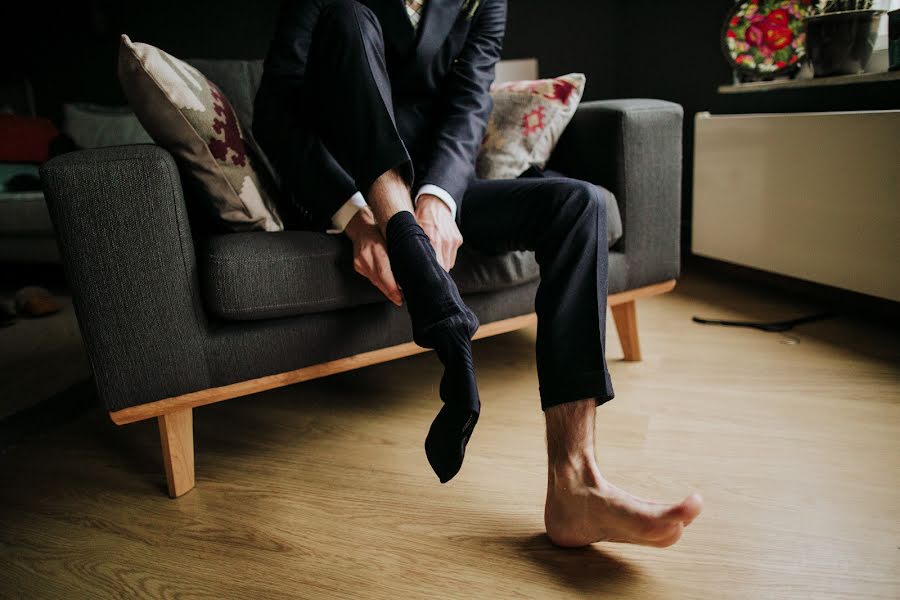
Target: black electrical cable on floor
(773,326)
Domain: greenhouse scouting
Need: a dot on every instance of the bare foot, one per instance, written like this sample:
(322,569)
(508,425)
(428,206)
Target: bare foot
(583,509)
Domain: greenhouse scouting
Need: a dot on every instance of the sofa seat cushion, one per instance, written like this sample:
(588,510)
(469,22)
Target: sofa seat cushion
(260,275)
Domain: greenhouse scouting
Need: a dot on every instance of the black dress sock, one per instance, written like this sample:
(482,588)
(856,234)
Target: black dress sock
(440,320)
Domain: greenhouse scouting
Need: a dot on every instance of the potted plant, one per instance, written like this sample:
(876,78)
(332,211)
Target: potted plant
(840,38)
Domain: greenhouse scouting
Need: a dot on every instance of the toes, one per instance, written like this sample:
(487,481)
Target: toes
(651,527)
(693,506)
(685,511)
(669,539)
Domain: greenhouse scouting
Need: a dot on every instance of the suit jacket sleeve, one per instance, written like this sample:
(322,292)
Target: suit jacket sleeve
(467,102)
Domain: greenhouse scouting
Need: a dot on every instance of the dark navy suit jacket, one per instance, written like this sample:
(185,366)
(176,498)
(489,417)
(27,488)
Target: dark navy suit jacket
(440,76)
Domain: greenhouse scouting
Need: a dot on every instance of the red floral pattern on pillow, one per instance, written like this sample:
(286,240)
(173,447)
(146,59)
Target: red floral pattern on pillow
(527,121)
(533,121)
(227,127)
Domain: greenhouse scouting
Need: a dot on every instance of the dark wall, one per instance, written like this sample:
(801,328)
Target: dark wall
(575,36)
(667,51)
(69,53)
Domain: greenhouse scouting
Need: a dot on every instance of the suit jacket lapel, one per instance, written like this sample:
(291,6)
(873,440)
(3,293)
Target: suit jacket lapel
(439,17)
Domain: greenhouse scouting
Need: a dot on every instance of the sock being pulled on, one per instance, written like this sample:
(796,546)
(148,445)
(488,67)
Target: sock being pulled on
(440,320)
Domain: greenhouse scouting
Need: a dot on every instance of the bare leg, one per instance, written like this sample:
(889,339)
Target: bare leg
(387,197)
(583,508)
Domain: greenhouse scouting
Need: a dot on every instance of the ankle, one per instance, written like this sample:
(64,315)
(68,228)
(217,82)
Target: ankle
(577,469)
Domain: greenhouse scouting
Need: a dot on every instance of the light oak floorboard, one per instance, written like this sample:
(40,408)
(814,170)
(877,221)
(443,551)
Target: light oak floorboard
(322,489)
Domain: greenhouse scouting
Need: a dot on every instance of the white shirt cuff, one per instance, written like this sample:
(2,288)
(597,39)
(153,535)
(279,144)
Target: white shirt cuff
(345,213)
(440,193)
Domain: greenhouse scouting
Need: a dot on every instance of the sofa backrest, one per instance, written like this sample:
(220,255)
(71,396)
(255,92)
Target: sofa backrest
(238,80)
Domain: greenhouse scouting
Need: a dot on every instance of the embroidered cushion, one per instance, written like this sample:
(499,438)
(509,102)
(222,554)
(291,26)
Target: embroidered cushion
(188,115)
(527,121)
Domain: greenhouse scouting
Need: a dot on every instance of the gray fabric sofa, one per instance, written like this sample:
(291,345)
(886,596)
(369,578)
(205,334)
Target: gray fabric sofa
(173,319)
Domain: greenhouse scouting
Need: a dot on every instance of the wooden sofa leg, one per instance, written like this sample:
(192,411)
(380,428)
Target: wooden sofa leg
(625,316)
(176,434)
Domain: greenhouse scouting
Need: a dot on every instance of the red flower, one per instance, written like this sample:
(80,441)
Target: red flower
(779,17)
(734,21)
(793,59)
(769,33)
(778,37)
(731,34)
(780,64)
(754,35)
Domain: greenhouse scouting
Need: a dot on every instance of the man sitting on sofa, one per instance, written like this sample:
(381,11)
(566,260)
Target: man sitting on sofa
(372,112)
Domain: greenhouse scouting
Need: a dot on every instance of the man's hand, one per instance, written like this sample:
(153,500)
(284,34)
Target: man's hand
(435,218)
(370,258)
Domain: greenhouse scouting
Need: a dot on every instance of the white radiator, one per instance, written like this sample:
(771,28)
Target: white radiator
(812,195)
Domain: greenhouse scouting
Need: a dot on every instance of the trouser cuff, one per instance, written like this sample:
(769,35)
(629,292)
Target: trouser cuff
(594,384)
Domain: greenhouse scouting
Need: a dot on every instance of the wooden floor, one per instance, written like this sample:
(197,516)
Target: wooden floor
(322,490)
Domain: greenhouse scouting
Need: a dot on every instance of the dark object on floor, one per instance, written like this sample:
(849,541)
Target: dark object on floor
(774,326)
(33,301)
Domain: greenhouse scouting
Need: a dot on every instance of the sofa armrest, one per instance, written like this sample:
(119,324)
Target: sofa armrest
(123,232)
(633,148)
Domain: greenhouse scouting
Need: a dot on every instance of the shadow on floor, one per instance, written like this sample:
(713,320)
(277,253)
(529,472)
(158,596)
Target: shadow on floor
(588,570)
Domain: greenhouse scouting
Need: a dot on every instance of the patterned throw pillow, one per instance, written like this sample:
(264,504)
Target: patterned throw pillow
(528,119)
(188,115)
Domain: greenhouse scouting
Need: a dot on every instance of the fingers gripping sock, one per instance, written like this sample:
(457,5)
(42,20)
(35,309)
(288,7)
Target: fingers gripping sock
(440,320)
